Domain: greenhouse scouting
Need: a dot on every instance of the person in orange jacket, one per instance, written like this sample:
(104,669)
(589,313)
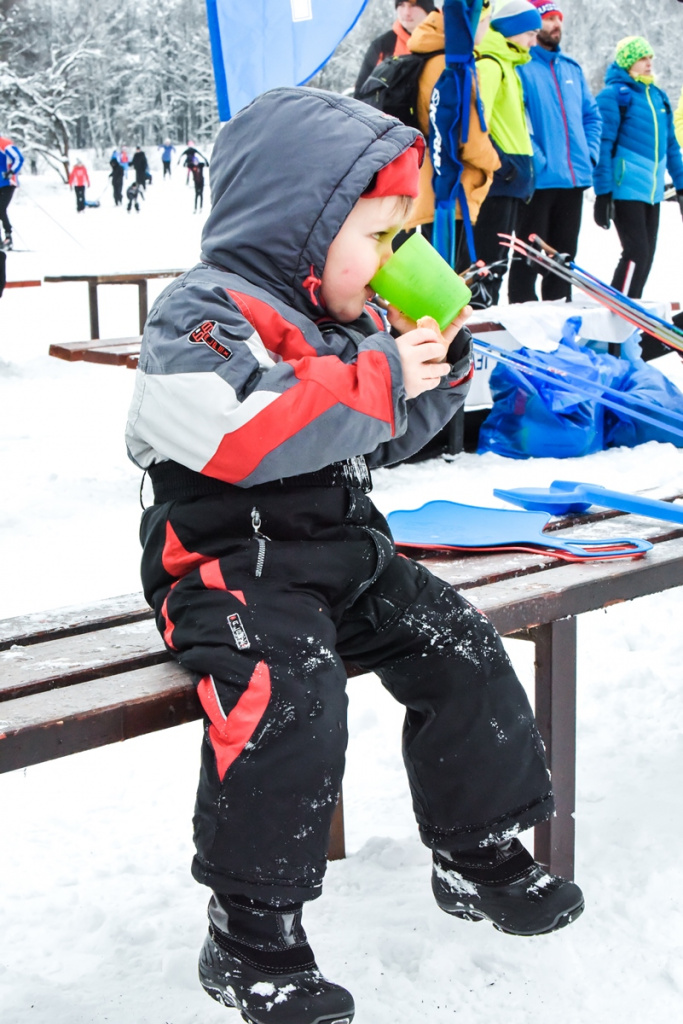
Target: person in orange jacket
(78,180)
(478,154)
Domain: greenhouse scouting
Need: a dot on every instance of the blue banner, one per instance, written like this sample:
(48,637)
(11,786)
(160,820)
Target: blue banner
(260,44)
(449,121)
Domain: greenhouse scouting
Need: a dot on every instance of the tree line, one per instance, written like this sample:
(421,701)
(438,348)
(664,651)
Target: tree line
(97,73)
(92,73)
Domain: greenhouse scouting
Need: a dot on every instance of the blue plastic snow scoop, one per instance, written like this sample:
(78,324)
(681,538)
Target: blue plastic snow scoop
(566,496)
(446,524)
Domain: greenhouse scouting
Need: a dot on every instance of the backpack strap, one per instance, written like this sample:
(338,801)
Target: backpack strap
(489,56)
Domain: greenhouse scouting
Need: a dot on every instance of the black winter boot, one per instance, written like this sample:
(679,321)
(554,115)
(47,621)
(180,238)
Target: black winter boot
(503,884)
(256,958)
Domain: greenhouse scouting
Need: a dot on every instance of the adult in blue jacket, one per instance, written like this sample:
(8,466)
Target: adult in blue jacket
(11,162)
(638,147)
(566,128)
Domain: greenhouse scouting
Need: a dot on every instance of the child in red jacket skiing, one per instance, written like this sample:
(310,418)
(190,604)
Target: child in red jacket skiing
(267,386)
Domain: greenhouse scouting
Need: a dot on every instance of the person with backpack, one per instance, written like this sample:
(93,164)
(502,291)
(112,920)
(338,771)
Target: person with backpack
(394,43)
(478,154)
(638,147)
(566,133)
(78,181)
(11,162)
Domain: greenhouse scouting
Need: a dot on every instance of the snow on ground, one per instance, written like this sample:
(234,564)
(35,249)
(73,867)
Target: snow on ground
(99,918)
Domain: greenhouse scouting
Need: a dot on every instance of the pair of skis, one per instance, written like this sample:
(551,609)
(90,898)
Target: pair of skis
(538,252)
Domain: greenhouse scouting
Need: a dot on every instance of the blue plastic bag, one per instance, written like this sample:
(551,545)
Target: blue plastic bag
(647,384)
(532,418)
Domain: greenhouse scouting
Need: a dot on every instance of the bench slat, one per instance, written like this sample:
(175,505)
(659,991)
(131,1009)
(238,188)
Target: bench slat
(35,627)
(518,604)
(70,660)
(91,714)
(112,351)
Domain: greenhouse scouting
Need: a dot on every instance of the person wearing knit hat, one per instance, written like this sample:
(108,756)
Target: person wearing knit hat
(499,55)
(632,49)
(638,149)
(566,133)
(515,17)
(394,43)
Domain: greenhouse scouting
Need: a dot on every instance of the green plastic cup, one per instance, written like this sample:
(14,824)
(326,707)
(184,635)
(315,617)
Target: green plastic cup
(419,282)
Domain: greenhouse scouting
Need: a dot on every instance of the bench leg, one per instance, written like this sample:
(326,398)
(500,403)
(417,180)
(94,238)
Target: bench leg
(556,717)
(337,847)
(94,312)
(142,303)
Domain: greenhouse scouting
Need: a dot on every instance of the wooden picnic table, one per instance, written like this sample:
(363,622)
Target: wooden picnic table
(140,278)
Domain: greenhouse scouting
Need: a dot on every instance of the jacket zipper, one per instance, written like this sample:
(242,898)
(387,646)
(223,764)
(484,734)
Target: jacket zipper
(564,119)
(260,539)
(656,161)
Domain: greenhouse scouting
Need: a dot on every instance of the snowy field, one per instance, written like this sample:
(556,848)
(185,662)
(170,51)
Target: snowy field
(100,920)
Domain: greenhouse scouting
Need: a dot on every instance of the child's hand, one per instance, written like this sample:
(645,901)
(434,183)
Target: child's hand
(400,322)
(422,353)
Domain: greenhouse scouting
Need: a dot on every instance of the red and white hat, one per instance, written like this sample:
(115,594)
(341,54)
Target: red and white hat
(546,8)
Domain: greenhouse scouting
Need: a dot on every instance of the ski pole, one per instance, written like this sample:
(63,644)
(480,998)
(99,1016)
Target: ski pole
(563,379)
(613,300)
(609,290)
(590,387)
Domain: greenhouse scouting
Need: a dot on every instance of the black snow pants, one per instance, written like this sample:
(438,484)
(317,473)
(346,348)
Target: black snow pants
(6,193)
(554,214)
(262,592)
(497,214)
(637,225)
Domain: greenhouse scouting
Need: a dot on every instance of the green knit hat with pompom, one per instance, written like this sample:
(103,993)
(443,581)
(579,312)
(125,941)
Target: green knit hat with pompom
(631,49)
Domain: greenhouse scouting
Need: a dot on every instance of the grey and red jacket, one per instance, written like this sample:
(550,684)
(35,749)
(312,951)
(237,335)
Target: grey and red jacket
(242,376)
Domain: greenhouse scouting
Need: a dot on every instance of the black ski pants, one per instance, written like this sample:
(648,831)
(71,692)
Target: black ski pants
(262,592)
(80,197)
(637,225)
(497,213)
(554,214)
(6,193)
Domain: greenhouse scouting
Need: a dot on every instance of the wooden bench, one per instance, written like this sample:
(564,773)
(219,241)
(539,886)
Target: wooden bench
(140,278)
(74,679)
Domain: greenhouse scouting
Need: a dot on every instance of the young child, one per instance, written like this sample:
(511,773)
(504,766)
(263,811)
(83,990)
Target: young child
(266,387)
(134,193)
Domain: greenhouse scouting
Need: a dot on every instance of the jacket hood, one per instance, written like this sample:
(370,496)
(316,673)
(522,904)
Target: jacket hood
(285,173)
(498,46)
(429,34)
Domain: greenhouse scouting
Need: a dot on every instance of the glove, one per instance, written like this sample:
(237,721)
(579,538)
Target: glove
(603,211)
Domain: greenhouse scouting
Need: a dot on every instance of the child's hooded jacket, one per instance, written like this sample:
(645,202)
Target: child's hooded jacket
(242,376)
